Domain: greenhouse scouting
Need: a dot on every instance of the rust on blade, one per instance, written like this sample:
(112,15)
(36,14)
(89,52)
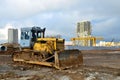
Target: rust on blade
(70,58)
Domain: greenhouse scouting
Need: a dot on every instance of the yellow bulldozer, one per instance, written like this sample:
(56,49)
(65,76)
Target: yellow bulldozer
(48,51)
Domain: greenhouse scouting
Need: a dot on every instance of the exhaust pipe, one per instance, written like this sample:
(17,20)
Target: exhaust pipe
(3,48)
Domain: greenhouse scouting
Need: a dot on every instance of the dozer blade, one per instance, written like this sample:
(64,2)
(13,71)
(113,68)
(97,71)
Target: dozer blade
(68,58)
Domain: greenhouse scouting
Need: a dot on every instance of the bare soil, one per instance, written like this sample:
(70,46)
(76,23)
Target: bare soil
(98,65)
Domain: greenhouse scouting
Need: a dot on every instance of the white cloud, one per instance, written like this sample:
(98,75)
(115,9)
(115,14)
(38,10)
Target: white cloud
(4,32)
(61,16)
(24,8)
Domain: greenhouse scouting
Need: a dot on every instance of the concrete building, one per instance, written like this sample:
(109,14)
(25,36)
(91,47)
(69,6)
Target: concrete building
(12,35)
(84,30)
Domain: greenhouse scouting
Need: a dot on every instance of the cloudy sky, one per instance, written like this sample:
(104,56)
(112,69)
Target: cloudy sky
(61,16)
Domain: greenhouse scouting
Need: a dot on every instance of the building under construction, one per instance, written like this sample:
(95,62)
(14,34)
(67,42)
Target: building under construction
(83,29)
(83,35)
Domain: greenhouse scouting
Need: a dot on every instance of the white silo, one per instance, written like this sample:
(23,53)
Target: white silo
(12,35)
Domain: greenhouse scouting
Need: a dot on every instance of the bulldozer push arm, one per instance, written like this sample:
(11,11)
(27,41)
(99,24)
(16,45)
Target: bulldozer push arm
(60,59)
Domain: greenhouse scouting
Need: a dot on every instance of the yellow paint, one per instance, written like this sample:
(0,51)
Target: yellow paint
(86,39)
(49,45)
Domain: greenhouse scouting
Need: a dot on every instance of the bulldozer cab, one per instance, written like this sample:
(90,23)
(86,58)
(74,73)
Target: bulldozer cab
(25,37)
(29,36)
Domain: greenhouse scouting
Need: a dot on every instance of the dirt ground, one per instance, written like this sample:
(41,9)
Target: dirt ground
(98,65)
(102,65)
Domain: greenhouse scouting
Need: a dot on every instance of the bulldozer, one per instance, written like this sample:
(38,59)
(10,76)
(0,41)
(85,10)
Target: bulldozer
(47,51)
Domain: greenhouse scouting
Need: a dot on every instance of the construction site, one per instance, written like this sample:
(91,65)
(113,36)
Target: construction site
(39,57)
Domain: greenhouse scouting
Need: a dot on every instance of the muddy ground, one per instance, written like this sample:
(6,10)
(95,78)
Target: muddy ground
(98,65)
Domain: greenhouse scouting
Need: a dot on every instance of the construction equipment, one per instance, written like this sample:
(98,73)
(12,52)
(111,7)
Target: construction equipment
(108,44)
(85,40)
(40,50)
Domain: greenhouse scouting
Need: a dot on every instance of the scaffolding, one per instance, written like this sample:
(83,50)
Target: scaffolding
(85,40)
